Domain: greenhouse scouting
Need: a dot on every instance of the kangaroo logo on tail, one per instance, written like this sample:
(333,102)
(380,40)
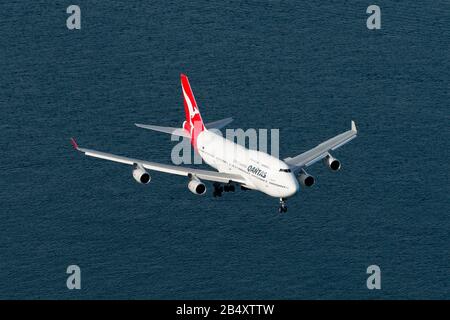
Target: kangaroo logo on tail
(194,123)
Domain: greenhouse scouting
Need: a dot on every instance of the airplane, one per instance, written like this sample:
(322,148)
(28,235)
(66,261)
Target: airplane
(235,164)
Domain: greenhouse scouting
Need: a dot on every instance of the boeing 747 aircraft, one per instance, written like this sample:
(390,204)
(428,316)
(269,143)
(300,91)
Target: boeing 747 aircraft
(235,164)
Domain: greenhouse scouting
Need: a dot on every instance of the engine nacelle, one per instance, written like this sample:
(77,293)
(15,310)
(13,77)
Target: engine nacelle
(140,175)
(196,186)
(306,179)
(332,163)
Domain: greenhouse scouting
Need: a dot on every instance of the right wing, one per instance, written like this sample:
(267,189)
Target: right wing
(177,170)
(322,150)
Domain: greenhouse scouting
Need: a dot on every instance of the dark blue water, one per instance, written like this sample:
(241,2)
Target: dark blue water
(303,67)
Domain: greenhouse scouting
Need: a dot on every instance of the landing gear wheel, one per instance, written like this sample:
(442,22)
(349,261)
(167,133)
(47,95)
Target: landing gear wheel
(283,207)
(228,188)
(218,189)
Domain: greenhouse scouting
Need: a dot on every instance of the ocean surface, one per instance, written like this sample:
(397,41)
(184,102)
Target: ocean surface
(299,66)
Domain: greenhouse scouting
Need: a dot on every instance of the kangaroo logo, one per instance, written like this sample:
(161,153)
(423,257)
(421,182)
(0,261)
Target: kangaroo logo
(193,123)
(193,111)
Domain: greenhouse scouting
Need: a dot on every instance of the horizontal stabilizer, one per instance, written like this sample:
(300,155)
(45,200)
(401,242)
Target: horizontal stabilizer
(170,130)
(183,133)
(219,124)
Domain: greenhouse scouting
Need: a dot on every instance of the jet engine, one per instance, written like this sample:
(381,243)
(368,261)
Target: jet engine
(196,186)
(306,179)
(332,163)
(140,175)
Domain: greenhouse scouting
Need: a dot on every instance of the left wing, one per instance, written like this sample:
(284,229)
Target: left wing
(181,171)
(322,150)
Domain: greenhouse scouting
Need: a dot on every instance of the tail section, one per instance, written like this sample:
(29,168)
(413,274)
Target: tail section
(194,123)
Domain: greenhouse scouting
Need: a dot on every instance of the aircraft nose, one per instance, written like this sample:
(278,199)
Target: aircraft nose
(293,186)
(296,185)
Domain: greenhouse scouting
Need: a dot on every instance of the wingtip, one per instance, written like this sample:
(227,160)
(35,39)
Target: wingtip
(74,143)
(140,125)
(354,126)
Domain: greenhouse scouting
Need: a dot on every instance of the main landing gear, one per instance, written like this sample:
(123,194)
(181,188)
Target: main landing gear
(283,207)
(219,189)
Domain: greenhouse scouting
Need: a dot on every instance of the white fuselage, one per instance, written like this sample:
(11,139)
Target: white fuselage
(261,171)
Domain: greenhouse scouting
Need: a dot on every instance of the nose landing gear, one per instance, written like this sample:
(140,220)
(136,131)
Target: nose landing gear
(283,207)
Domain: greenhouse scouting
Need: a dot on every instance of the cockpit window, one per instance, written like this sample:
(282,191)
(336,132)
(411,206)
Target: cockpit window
(285,170)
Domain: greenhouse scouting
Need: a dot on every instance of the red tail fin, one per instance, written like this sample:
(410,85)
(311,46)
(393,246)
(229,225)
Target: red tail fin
(194,123)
